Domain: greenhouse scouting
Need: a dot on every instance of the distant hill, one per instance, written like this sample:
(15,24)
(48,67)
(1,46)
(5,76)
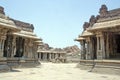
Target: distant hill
(72,49)
(73,52)
(69,49)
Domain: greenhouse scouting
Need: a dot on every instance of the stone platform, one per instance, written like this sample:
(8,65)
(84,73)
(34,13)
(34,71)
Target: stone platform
(101,66)
(6,64)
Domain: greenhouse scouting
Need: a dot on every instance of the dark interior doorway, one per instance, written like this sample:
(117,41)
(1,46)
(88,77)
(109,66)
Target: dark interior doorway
(94,48)
(118,44)
(42,56)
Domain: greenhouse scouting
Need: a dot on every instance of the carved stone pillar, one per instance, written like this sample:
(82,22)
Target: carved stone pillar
(55,55)
(91,48)
(49,56)
(99,55)
(84,50)
(45,56)
(3,38)
(13,46)
(35,49)
(100,47)
(30,53)
(103,46)
(26,46)
(88,54)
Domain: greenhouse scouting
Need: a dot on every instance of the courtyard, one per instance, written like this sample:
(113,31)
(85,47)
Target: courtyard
(55,71)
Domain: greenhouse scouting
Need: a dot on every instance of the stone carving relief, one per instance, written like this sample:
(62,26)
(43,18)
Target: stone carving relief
(85,25)
(2,10)
(92,20)
(103,11)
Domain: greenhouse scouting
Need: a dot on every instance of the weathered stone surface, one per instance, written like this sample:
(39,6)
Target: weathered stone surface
(4,68)
(2,10)
(23,25)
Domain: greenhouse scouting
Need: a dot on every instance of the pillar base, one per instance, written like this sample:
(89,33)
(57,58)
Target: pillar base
(3,65)
(4,68)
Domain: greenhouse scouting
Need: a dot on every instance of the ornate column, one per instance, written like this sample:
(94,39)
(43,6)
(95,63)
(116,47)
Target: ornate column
(81,52)
(13,46)
(107,45)
(26,50)
(3,38)
(100,46)
(3,33)
(35,50)
(91,48)
(44,56)
(99,55)
(30,54)
(50,56)
(103,46)
(84,50)
(88,55)
(55,55)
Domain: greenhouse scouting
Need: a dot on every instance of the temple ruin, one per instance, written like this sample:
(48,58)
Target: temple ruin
(18,43)
(100,39)
(51,55)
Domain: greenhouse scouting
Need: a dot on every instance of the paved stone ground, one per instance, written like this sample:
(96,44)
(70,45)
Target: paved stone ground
(54,71)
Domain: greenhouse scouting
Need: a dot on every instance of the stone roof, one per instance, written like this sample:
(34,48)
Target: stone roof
(107,19)
(5,22)
(110,15)
(9,21)
(39,41)
(26,34)
(79,39)
(23,25)
(86,33)
(106,25)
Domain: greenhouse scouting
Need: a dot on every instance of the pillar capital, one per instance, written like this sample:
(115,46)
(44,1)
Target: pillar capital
(3,37)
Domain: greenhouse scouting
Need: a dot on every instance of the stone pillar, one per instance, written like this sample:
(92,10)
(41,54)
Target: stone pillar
(44,56)
(99,55)
(49,56)
(103,46)
(84,50)
(81,52)
(2,45)
(52,56)
(30,53)
(26,50)
(55,55)
(1,48)
(100,47)
(107,45)
(88,55)
(13,46)
(91,48)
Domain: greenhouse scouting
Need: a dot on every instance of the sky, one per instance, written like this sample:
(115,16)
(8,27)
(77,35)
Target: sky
(57,22)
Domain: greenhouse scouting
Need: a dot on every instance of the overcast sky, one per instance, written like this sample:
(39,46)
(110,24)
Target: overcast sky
(57,22)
